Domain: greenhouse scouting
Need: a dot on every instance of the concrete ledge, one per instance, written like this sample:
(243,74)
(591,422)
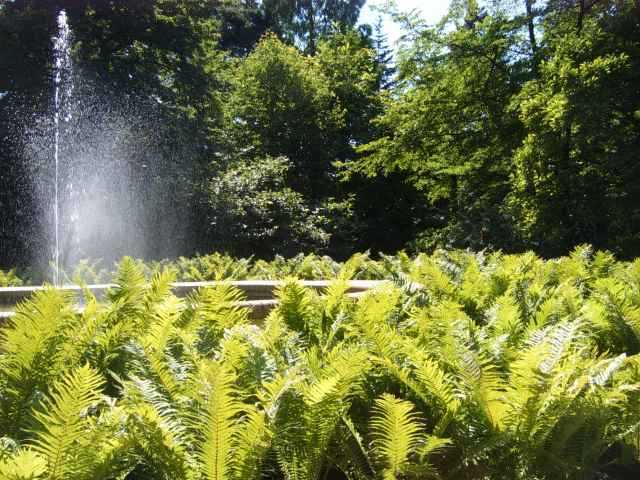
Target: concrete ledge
(259,293)
(253,289)
(264,289)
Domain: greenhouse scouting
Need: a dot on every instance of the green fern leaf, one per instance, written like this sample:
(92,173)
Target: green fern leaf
(253,439)
(24,465)
(396,432)
(35,347)
(219,425)
(63,423)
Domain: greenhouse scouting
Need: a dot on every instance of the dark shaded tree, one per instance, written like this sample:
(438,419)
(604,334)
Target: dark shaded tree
(576,169)
(306,22)
(448,128)
(384,56)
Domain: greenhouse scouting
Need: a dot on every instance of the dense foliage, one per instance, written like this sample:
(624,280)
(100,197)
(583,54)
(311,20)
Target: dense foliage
(217,266)
(519,121)
(498,366)
(273,127)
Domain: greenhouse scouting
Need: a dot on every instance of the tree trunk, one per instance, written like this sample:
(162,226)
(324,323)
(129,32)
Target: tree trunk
(581,12)
(311,46)
(532,33)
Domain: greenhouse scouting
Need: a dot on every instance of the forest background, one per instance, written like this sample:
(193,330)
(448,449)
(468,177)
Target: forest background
(285,126)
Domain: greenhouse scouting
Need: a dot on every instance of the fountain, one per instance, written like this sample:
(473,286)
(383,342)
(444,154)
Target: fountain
(95,196)
(105,177)
(63,69)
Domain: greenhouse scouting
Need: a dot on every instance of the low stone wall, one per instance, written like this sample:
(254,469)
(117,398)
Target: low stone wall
(259,293)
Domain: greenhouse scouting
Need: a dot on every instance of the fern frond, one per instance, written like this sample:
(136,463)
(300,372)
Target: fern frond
(617,318)
(442,329)
(433,445)
(62,423)
(36,323)
(411,289)
(91,322)
(504,318)
(215,310)
(357,456)
(160,287)
(113,459)
(604,370)
(130,285)
(308,417)
(156,342)
(372,317)
(438,284)
(35,348)
(483,384)
(157,430)
(253,439)
(24,465)
(558,342)
(296,306)
(396,431)
(160,438)
(426,379)
(436,382)
(271,392)
(335,297)
(218,425)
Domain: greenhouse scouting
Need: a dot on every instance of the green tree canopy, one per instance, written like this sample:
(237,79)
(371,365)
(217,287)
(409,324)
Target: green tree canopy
(576,169)
(306,22)
(448,127)
(282,104)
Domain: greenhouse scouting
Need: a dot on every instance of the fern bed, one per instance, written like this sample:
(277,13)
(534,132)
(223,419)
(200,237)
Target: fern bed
(498,367)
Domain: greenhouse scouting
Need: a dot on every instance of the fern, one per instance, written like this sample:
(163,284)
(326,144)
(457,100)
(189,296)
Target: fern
(24,465)
(218,426)
(351,454)
(130,285)
(253,440)
(35,347)
(156,343)
(156,430)
(427,380)
(528,366)
(63,424)
(396,432)
(214,310)
(309,415)
(296,307)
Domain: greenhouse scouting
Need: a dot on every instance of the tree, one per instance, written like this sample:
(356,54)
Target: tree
(575,170)
(448,128)
(242,23)
(164,50)
(252,211)
(306,22)
(349,63)
(384,56)
(282,104)
(384,210)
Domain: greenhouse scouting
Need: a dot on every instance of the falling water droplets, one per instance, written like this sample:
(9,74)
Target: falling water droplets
(100,175)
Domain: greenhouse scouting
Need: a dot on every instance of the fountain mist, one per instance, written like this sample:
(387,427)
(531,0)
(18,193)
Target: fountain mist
(103,170)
